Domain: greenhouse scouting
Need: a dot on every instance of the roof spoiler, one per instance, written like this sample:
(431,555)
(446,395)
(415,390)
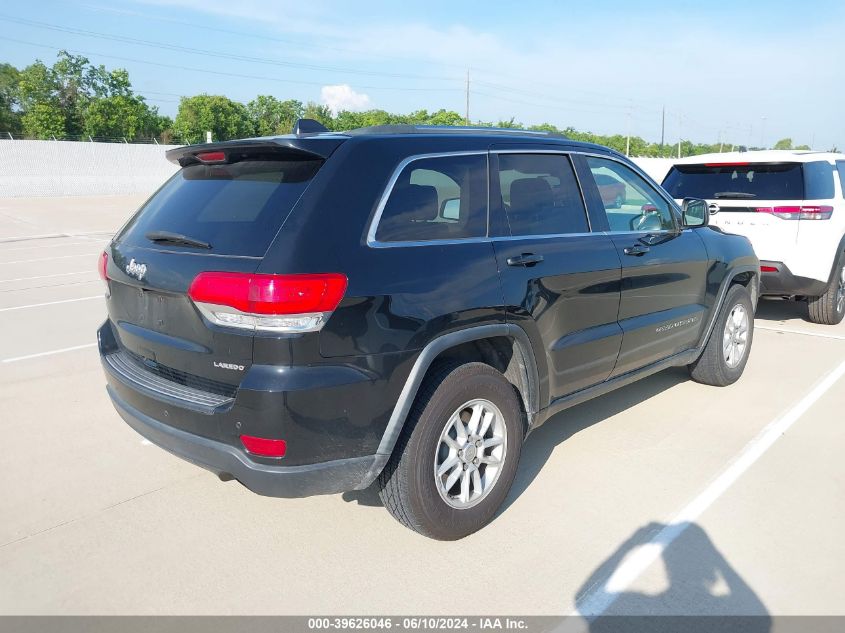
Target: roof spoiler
(314,147)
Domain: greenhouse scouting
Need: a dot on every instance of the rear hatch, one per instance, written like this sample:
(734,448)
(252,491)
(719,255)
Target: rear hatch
(220,212)
(744,198)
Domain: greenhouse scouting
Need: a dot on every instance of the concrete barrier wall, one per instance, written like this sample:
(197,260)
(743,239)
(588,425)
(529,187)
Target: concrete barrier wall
(68,168)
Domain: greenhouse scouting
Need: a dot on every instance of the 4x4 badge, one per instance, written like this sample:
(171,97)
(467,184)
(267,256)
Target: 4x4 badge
(135,269)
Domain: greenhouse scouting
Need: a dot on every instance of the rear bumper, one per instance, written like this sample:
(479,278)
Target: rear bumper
(782,282)
(228,462)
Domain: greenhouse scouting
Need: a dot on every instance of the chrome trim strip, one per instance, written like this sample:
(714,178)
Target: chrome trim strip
(133,375)
(371,233)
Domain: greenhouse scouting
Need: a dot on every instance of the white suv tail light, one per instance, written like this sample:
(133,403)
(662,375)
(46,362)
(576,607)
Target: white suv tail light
(820,212)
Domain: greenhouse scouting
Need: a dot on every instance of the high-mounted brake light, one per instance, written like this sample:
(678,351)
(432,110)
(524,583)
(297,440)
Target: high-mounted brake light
(212,157)
(738,164)
(272,303)
(103,269)
(817,212)
(264,446)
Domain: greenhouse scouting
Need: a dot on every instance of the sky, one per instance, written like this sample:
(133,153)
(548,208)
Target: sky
(747,72)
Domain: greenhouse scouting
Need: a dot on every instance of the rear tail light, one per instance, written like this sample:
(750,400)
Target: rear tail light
(103,268)
(768,269)
(270,303)
(818,212)
(264,446)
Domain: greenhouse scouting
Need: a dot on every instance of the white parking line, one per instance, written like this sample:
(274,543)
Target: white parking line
(78,272)
(599,598)
(49,303)
(47,259)
(40,246)
(50,353)
(838,337)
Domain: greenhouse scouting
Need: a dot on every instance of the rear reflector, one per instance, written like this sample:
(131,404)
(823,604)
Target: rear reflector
(212,157)
(768,269)
(276,303)
(822,212)
(264,446)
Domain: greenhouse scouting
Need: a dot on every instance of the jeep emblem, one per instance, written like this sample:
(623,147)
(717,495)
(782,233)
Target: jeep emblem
(134,269)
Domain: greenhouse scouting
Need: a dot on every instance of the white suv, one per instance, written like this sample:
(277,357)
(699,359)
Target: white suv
(790,205)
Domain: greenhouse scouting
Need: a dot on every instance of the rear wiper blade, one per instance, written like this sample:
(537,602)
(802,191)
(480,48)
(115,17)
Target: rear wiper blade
(734,194)
(166,237)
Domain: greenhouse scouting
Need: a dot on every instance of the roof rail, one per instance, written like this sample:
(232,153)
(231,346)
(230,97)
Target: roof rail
(404,128)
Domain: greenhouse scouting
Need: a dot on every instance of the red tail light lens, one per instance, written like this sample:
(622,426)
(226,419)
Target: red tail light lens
(264,446)
(103,266)
(212,157)
(282,303)
(768,269)
(822,212)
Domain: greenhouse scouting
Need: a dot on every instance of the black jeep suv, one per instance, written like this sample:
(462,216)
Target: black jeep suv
(401,306)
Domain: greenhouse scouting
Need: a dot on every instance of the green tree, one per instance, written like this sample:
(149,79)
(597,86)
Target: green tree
(224,118)
(44,120)
(10,120)
(271,116)
(784,143)
(320,113)
(117,116)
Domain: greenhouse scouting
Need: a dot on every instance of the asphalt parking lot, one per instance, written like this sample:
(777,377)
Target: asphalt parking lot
(749,480)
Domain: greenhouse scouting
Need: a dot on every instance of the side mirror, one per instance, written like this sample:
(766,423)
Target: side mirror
(451,209)
(695,212)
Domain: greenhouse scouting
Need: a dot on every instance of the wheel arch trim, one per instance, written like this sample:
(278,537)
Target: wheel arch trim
(424,361)
(727,281)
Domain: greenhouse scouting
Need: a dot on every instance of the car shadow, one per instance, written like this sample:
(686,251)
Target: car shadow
(699,581)
(782,310)
(540,443)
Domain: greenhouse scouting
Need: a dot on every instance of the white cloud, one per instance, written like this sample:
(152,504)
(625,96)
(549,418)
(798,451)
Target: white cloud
(343,97)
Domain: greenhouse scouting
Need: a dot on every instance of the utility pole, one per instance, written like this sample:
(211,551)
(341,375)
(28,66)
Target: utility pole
(679,133)
(466,118)
(628,141)
(721,143)
(763,133)
(662,129)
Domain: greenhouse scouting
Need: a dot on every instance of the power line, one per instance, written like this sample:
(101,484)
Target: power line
(219,72)
(269,38)
(211,53)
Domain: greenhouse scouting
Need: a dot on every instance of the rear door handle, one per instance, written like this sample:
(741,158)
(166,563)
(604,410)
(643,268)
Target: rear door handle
(526,259)
(637,250)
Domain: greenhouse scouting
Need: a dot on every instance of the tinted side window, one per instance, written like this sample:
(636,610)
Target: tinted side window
(540,195)
(440,198)
(818,180)
(630,202)
(840,167)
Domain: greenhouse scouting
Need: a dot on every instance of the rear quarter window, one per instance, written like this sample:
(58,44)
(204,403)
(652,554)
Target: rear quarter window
(237,208)
(438,198)
(818,180)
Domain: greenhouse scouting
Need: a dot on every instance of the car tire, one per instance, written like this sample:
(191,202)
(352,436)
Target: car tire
(411,486)
(829,309)
(726,352)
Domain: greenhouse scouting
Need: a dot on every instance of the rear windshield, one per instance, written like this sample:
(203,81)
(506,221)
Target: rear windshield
(778,181)
(236,208)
